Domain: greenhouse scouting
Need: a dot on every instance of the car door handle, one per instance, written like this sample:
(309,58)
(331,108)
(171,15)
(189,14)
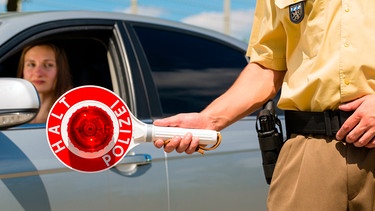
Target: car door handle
(137,159)
(134,164)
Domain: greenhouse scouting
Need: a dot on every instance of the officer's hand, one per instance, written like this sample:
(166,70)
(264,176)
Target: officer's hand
(186,143)
(359,128)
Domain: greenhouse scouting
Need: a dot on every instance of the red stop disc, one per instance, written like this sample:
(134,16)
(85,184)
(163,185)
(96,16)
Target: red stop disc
(89,129)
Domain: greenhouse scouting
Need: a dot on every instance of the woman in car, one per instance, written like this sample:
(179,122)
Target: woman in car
(46,67)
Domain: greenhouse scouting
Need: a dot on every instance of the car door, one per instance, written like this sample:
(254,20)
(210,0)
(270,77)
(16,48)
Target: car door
(31,176)
(190,69)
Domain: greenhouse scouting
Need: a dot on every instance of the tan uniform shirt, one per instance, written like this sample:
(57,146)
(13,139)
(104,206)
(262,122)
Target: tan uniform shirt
(329,56)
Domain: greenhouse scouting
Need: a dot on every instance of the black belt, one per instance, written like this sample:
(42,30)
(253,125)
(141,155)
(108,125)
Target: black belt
(318,123)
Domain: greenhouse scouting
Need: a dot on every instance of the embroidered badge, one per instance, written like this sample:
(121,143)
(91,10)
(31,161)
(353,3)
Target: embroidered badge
(297,12)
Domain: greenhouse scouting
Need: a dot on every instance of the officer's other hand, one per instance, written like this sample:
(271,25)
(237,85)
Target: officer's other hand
(359,128)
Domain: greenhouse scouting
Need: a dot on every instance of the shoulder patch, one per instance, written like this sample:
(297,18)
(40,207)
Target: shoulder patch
(297,12)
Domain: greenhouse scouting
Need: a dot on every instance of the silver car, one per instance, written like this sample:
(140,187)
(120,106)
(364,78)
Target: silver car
(158,68)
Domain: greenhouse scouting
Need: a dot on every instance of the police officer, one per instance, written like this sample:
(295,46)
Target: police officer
(321,54)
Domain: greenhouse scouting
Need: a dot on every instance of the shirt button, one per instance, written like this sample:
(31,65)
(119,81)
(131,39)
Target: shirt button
(346,44)
(347,9)
(347,81)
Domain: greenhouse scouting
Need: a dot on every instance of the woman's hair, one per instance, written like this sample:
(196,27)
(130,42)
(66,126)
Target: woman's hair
(64,81)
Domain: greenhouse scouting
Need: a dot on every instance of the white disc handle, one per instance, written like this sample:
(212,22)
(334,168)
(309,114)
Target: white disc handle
(148,133)
(206,137)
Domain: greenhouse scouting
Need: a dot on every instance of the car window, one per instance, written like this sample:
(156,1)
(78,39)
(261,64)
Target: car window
(86,50)
(87,57)
(189,70)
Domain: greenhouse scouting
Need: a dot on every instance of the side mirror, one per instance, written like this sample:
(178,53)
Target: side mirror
(19,102)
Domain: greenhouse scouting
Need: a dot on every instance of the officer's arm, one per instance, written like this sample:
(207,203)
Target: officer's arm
(254,86)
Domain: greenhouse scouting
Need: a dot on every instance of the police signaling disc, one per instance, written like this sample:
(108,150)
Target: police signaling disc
(89,129)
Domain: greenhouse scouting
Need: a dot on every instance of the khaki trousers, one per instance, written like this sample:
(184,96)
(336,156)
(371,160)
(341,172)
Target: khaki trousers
(318,173)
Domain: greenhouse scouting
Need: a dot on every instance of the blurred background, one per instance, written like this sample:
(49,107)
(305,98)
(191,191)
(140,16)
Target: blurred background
(232,17)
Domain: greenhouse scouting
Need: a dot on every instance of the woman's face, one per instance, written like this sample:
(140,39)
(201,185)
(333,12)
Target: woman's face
(40,68)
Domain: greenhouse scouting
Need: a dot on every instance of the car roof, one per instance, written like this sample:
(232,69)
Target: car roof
(11,23)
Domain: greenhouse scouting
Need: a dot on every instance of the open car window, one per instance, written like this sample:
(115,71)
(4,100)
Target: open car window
(86,49)
(87,58)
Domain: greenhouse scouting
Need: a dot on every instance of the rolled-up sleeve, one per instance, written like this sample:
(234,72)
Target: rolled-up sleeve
(267,45)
